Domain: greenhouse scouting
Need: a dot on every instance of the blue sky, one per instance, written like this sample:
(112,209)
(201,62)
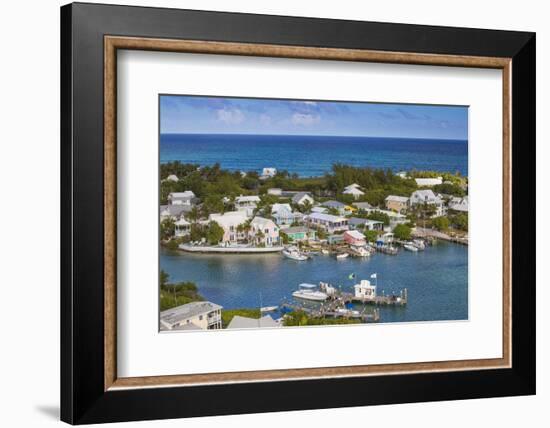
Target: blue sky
(223,115)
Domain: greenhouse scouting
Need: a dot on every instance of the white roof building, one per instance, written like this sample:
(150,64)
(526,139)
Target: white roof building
(425,196)
(202,315)
(247,199)
(172,177)
(428,182)
(229,219)
(459,204)
(244,322)
(301,198)
(353,191)
(181,198)
(394,198)
(268,173)
(275,208)
(352,186)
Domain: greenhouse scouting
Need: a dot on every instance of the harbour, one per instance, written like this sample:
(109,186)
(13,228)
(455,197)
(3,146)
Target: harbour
(435,281)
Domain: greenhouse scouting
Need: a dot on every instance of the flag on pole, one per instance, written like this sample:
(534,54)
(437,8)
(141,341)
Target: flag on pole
(373,276)
(351,276)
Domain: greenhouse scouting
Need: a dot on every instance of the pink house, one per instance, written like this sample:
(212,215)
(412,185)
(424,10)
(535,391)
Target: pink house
(264,232)
(354,237)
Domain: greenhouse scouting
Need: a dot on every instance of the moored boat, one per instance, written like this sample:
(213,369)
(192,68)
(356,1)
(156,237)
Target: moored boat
(342,256)
(410,247)
(309,292)
(294,254)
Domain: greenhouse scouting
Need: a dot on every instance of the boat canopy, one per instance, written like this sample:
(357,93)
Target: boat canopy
(309,286)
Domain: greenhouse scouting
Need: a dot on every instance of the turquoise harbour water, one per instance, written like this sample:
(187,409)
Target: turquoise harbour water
(436,279)
(310,156)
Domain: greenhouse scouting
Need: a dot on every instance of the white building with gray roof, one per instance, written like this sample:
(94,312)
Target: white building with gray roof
(192,316)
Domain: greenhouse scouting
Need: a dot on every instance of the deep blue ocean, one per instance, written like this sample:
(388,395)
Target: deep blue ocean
(310,156)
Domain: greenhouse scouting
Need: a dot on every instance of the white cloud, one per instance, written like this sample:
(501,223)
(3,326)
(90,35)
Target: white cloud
(230,116)
(305,119)
(265,119)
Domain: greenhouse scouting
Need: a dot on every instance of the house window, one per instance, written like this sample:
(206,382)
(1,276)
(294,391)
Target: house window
(200,317)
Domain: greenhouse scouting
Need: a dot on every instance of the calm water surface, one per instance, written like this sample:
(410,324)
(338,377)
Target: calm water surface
(436,279)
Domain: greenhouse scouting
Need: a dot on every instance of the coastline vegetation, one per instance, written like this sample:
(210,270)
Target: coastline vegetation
(176,294)
(301,318)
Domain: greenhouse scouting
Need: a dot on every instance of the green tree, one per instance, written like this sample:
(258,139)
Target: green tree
(163,278)
(196,233)
(370,235)
(215,233)
(212,204)
(167,229)
(440,223)
(379,216)
(402,232)
(461,221)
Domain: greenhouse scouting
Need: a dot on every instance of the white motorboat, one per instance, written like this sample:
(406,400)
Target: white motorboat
(410,247)
(309,292)
(342,256)
(419,243)
(294,254)
(325,252)
(360,251)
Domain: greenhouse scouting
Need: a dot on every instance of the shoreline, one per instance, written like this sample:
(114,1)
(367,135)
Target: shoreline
(229,250)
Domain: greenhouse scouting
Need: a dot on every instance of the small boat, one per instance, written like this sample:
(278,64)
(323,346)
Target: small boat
(410,247)
(294,254)
(419,243)
(342,256)
(269,308)
(310,292)
(360,251)
(325,252)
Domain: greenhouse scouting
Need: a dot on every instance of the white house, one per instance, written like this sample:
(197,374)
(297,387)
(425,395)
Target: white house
(353,191)
(330,223)
(268,173)
(428,182)
(337,205)
(365,223)
(230,221)
(192,316)
(275,191)
(301,198)
(173,212)
(181,198)
(459,204)
(263,231)
(247,204)
(182,228)
(352,186)
(430,198)
(283,215)
(362,205)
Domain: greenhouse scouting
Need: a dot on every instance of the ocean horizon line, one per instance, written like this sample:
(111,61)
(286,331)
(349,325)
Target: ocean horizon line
(315,136)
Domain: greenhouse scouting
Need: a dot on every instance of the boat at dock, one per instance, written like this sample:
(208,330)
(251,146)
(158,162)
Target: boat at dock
(269,308)
(310,292)
(410,247)
(419,243)
(294,254)
(342,256)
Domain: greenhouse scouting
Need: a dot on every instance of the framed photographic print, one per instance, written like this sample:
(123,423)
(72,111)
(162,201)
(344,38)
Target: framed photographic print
(316,212)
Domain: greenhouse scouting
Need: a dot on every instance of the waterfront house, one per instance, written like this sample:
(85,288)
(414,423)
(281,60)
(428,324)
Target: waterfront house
(263,232)
(397,203)
(247,204)
(328,222)
(362,205)
(354,237)
(430,198)
(459,204)
(353,190)
(299,233)
(283,215)
(173,212)
(365,224)
(428,182)
(181,198)
(192,316)
(182,228)
(245,322)
(268,173)
(230,222)
(301,198)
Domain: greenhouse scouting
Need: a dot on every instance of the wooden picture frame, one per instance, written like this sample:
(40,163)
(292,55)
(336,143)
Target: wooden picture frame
(91,390)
